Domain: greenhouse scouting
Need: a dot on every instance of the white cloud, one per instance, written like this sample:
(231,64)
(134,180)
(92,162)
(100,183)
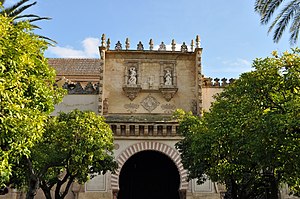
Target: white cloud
(90,46)
(236,66)
(90,50)
(237,63)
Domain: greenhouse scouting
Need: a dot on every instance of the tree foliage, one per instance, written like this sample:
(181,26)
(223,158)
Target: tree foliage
(290,14)
(16,11)
(74,146)
(250,139)
(27,94)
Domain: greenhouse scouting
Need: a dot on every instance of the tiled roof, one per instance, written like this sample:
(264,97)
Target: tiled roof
(75,66)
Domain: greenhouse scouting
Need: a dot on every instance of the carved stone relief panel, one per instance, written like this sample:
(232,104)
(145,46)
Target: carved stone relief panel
(168,108)
(131,108)
(150,103)
(150,76)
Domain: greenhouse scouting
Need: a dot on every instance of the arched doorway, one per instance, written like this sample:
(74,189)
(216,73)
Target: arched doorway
(149,175)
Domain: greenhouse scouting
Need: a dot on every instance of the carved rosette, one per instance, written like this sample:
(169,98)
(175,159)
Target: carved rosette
(132,91)
(168,92)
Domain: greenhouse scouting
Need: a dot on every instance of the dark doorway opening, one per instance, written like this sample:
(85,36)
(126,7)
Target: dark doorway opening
(149,175)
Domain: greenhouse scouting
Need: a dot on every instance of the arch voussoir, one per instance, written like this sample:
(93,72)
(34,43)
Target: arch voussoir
(150,145)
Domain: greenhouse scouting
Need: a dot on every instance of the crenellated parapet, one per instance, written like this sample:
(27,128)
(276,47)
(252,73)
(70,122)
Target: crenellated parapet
(161,46)
(80,88)
(216,82)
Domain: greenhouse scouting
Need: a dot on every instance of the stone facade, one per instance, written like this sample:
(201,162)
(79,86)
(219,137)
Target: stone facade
(137,91)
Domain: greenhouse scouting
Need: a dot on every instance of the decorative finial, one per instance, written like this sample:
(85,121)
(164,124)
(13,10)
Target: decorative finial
(127,44)
(118,46)
(140,46)
(192,45)
(197,41)
(108,43)
(173,45)
(103,40)
(184,47)
(162,47)
(151,44)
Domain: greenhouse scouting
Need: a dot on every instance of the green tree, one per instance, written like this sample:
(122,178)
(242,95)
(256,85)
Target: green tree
(15,11)
(290,14)
(27,94)
(74,147)
(250,139)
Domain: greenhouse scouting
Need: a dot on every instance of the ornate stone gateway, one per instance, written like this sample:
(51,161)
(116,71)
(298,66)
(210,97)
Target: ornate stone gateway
(137,91)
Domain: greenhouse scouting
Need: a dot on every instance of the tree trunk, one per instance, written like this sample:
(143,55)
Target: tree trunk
(273,188)
(46,191)
(59,194)
(232,190)
(33,187)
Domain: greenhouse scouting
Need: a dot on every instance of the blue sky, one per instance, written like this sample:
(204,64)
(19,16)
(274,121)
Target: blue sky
(231,35)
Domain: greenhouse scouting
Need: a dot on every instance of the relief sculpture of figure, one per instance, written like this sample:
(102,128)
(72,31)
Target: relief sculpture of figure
(132,76)
(168,78)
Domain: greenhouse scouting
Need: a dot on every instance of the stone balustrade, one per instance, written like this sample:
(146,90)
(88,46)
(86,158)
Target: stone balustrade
(141,129)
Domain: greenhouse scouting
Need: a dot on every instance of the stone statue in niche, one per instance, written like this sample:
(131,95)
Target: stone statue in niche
(168,78)
(132,76)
